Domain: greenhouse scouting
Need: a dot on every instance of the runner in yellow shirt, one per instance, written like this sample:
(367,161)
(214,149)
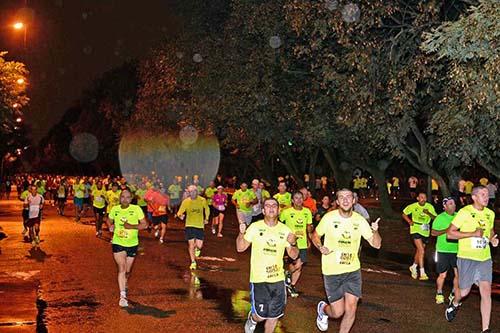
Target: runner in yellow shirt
(98,197)
(343,229)
(284,198)
(269,238)
(473,226)
(197,212)
(299,219)
(125,221)
(421,213)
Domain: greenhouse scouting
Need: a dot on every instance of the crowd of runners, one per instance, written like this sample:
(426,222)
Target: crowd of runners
(280,227)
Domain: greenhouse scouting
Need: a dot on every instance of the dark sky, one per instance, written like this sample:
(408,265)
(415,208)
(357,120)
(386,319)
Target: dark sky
(71,42)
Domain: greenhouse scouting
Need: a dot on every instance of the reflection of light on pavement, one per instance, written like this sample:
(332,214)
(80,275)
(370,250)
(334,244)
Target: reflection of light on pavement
(380,271)
(240,300)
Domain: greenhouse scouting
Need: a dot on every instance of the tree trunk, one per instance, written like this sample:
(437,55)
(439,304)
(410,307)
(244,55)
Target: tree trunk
(385,201)
(312,171)
(291,170)
(342,179)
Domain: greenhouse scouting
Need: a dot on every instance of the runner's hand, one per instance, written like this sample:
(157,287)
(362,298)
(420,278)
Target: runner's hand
(181,216)
(205,221)
(292,239)
(375,224)
(243,228)
(494,240)
(478,232)
(324,250)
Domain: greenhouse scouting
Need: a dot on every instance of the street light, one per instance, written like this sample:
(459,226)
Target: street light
(20,81)
(18,25)
(19,120)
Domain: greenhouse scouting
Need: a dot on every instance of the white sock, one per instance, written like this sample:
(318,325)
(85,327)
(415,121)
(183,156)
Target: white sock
(422,271)
(414,266)
(123,294)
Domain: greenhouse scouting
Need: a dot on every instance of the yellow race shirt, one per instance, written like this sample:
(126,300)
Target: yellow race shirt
(268,248)
(99,198)
(297,221)
(140,197)
(243,198)
(79,190)
(113,199)
(132,214)
(468,187)
(194,211)
(342,236)
(468,219)
(421,221)
(209,193)
(285,199)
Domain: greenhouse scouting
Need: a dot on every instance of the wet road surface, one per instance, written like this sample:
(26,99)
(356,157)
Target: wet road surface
(69,285)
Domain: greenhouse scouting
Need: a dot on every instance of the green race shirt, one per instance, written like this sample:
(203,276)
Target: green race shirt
(285,199)
(140,197)
(442,222)
(268,248)
(468,219)
(297,221)
(132,214)
(174,191)
(99,197)
(421,221)
(209,193)
(79,191)
(243,198)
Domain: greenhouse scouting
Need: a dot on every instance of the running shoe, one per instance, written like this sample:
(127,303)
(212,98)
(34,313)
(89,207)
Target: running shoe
(197,252)
(161,240)
(423,277)
(97,234)
(486,331)
(439,299)
(24,232)
(451,297)
(413,271)
(292,291)
(157,233)
(193,265)
(322,318)
(250,324)
(288,278)
(123,302)
(219,235)
(213,231)
(451,311)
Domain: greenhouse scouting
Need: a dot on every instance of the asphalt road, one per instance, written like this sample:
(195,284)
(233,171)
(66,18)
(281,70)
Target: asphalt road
(69,285)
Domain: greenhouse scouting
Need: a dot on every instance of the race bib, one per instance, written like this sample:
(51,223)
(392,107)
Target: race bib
(345,258)
(479,243)
(425,227)
(299,233)
(99,200)
(123,233)
(34,211)
(272,271)
(221,208)
(162,209)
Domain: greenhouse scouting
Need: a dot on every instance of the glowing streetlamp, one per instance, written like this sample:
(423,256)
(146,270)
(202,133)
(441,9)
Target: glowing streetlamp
(19,120)
(20,81)
(18,25)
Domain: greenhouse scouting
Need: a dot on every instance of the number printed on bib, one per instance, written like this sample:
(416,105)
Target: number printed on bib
(272,271)
(344,258)
(123,233)
(479,242)
(425,227)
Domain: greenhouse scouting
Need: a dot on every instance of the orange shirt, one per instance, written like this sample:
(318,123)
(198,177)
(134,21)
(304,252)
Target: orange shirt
(311,204)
